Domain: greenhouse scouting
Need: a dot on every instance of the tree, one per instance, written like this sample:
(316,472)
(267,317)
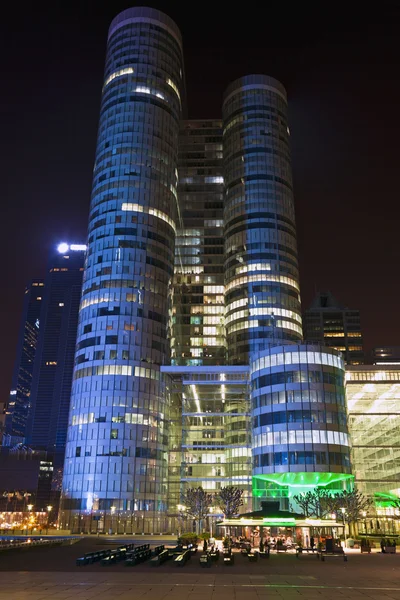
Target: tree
(197,503)
(316,503)
(354,503)
(230,500)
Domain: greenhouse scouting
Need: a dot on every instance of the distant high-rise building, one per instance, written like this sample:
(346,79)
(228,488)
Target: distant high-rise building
(335,326)
(54,361)
(18,407)
(386,355)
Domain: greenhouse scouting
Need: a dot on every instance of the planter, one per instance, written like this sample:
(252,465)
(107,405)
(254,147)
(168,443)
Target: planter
(366,549)
(390,549)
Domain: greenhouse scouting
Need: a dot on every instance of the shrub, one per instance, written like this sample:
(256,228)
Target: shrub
(188,538)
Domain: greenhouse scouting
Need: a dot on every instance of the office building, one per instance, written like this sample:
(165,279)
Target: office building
(332,324)
(373,399)
(19,403)
(54,360)
(261,273)
(386,355)
(198,328)
(189,350)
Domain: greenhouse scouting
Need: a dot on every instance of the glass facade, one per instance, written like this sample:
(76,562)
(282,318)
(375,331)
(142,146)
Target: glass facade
(333,325)
(373,400)
(300,433)
(19,403)
(116,458)
(262,299)
(212,446)
(54,360)
(198,331)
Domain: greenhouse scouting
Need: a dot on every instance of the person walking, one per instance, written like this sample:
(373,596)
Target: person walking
(312,543)
(205,545)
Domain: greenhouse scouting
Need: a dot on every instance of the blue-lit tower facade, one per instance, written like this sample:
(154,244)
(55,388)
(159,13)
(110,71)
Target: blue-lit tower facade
(115,474)
(262,294)
(299,422)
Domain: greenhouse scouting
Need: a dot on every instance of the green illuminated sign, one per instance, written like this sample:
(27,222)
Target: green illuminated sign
(300,480)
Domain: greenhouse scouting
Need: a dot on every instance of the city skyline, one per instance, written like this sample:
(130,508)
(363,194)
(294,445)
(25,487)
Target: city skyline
(343,128)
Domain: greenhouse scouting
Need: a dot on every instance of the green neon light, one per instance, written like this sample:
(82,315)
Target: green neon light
(277,521)
(301,480)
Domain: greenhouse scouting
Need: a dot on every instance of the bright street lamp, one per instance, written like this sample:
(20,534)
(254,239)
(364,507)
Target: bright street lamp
(344,526)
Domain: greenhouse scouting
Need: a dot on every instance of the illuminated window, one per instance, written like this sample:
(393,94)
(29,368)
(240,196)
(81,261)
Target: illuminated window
(120,73)
(61,304)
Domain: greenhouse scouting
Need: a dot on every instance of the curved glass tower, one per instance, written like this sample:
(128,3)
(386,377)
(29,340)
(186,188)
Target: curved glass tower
(116,458)
(262,299)
(300,433)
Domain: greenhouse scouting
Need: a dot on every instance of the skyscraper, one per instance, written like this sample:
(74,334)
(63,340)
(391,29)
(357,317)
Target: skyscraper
(261,273)
(190,320)
(17,410)
(118,437)
(54,360)
(330,323)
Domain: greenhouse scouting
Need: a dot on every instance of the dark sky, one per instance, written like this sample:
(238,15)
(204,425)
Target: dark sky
(340,66)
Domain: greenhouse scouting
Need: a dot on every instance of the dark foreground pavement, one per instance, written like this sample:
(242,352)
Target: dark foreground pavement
(50,573)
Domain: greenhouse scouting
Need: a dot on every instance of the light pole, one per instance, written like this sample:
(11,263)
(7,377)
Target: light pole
(211,509)
(364,513)
(30,506)
(113,508)
(181,516)
(344,526)
(49,509)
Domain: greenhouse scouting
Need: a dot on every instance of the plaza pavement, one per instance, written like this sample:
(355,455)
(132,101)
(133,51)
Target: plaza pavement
(50,573)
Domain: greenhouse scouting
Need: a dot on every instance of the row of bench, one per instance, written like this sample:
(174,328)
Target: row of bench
(105,555)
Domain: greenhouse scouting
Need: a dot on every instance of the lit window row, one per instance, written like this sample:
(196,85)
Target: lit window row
(213,223)
(103,370)
(252,267)
(214,289)
(131,207)
(296,358)
(119,73)
(215,179)
(256,312)
(146,90)
(373,376)
(83,419)
(148,373)
(306,436)
(212,320)
(262,279)
(207,310)
(174,87)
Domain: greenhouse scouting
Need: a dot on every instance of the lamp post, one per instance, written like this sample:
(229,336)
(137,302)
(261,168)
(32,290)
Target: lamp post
(30,506)
(364,514)
(344,526)
(49,509)
(181,515)
(211,509)
(113,509)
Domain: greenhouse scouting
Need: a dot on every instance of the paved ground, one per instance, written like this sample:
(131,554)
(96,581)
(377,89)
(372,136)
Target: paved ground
(50,573)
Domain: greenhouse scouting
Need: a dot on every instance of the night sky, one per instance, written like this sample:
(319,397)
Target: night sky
(340,66)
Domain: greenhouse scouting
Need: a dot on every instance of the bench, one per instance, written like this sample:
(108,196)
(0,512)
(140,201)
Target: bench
(157,560)
(139,554)
(253,556)
(181,559)
(265,553)
(205,561)
(158,549)
(337,553)
(228,557)
(307,551)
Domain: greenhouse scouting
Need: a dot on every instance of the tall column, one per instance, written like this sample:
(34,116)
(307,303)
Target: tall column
(262,299)
(116,457)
